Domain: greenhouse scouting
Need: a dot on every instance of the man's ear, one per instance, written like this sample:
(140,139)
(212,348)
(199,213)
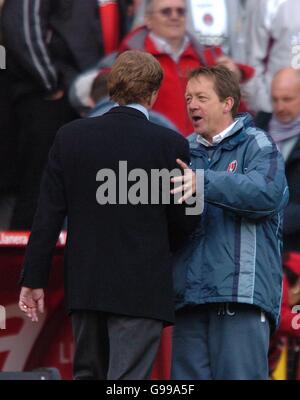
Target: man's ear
(296,288)
(153,98)
(228,104)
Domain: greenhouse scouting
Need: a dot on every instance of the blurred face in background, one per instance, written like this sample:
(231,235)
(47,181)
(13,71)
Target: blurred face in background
(286,95)
(166,18)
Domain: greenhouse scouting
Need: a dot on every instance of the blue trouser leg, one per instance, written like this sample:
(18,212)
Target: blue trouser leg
(220,341)
(190,358)
(238,340)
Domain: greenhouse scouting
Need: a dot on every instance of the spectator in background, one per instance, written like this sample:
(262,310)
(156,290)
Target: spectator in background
(215,23)
(284,127)
(102,102)
(48,43)
(178,52)
(273,40)
(287,337)
(7,140)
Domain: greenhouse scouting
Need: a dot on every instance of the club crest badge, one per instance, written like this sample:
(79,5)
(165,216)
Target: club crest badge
(208,19)
(232,166)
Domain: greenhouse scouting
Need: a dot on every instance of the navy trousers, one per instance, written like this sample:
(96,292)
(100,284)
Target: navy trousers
(220,341)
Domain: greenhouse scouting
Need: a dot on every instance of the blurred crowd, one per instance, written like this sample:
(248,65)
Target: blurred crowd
(58,55)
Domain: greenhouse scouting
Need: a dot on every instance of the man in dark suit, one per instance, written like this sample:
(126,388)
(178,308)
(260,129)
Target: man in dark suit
(118,283)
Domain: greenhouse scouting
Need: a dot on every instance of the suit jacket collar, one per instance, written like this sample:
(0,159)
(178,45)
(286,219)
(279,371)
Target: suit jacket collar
(127,110)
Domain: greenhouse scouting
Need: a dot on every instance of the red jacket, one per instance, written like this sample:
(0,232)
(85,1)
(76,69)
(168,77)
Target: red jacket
(285,331)
(291,262)
(171,101)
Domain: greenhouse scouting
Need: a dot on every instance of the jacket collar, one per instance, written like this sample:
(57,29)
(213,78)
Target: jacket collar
(127,110)
(238,134)
(137,39)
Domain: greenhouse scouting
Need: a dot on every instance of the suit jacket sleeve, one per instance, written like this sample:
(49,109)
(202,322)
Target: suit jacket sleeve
(47,224)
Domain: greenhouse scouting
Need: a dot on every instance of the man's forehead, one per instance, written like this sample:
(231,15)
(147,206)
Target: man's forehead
(286,89)
(200,83)
(169,3)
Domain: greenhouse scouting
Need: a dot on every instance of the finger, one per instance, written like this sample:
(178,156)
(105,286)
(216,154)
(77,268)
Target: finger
(186,196)
(182,188)
(22,306)
(182,164)
(41,305)
(33,312)
(177,190)
(178,179)
(28,313)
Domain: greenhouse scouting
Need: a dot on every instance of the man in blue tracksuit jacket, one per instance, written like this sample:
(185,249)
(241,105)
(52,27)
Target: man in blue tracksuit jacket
(227,277)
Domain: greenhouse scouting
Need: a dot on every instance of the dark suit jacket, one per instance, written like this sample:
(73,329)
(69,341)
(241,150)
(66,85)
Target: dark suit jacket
(117,257)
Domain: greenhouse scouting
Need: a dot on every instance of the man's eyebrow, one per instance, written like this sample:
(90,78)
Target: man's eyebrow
(196,94)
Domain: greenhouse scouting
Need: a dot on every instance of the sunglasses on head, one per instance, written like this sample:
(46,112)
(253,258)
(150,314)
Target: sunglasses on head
(168,11)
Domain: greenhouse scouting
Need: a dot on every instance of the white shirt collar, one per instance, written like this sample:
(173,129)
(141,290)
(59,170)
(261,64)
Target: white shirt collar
(218,138)
(163,46)
(140,108)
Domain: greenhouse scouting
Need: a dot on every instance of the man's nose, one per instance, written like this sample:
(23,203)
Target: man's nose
(193,104)
(279,106)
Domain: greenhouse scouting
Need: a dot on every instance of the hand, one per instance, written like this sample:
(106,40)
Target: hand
(188,182)
(230,64)
(31,302)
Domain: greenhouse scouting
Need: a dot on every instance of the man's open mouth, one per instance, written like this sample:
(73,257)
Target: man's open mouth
(196,118)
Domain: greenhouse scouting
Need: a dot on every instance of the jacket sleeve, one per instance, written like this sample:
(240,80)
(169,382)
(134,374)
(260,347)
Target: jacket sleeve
(47,224)
(180,224)
(247,72)
(25,28)
(258,192)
